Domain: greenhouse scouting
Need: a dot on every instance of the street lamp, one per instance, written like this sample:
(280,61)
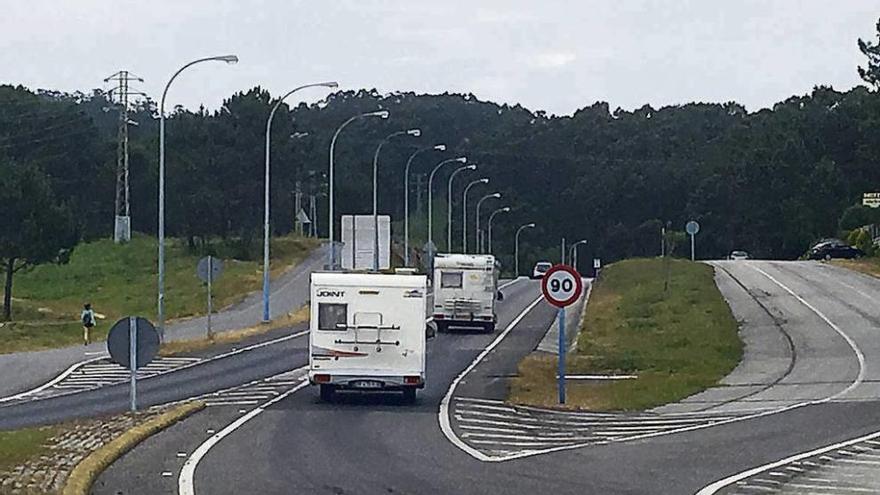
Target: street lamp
(449,204)
(331,84)
(410,132)
(516,246)
(437,147)
(460,159)
(229,59)
(379,113)
(492,217)
(572,252)
(484,180)
(484,198)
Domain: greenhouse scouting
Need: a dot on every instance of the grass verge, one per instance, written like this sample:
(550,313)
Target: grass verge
(87,471)
(233,337)
(19,446)
(120,280)
(679,341)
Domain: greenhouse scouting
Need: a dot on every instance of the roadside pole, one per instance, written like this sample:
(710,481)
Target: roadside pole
(208,270)
(132,360)
(692,247)
(562,350)
(210,279)
(692,228)
(562,252)
(562,286)
(662,242)
(132,342)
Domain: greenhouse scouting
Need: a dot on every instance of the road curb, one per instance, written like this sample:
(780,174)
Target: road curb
(87,471)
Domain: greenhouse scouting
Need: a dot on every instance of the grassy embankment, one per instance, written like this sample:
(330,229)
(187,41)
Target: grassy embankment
(120,280)
(868,266)
(678,342)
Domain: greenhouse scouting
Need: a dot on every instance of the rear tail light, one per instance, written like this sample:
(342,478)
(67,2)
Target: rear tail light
(412,380)
(323,378)
(438,317)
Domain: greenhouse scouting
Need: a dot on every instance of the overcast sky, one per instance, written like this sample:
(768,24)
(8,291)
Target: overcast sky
(552,55)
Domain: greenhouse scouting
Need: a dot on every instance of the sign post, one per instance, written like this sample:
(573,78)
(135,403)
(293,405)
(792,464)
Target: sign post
(208,269)
(132,343)
(132,360)
(692,228)
(562,286)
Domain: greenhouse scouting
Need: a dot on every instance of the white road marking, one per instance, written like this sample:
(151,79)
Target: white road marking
(50,383)
(443,413)
(233,403)
(93,374)
(508,284)
(485,401)
(718,485)
(501,422)
(192,362)
(186,481)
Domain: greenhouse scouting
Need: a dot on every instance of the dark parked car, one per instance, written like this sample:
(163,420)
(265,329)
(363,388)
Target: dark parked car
(829,249)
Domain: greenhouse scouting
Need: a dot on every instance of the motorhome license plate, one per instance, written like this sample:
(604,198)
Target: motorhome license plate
(366,384)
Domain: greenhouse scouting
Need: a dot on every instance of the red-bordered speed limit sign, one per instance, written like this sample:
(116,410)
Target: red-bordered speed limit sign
(561,285)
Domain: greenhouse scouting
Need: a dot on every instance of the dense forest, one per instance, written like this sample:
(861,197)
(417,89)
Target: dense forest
(769,182)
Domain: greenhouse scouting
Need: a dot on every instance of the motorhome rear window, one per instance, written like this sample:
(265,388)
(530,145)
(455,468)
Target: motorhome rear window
(450,280)
(331,315)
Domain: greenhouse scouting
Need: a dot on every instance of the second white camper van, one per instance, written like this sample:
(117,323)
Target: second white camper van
(465,290)
(367,332)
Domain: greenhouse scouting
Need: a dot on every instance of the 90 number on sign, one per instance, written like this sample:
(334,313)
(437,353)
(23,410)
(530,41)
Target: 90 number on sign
(565,285)
(561,285)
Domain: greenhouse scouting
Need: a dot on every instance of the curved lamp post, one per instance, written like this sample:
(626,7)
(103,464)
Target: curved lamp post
(331,84)
(229,59)
(449,204)
(484,180)
(572,252)
(489,228)
(384,114)
(436,147)
(484,198)
(516,246)
(460,159)
(410,132)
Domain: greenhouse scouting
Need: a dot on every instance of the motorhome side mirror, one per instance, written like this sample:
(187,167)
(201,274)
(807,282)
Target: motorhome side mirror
(499,296)
(430,332)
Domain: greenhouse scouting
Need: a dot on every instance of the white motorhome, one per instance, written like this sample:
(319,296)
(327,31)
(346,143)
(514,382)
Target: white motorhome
(367,332)
(465,290)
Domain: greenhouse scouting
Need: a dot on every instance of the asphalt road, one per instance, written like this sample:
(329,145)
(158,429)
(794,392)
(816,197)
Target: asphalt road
(809,380)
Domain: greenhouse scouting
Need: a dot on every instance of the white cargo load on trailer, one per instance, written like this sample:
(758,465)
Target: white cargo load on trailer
(367,332)
(358,242)
(465,290)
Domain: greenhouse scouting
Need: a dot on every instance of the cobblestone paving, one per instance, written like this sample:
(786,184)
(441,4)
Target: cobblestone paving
(47,473)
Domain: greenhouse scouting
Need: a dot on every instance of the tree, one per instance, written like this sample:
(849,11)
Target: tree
(857,216)
(36,228)
(871,73)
